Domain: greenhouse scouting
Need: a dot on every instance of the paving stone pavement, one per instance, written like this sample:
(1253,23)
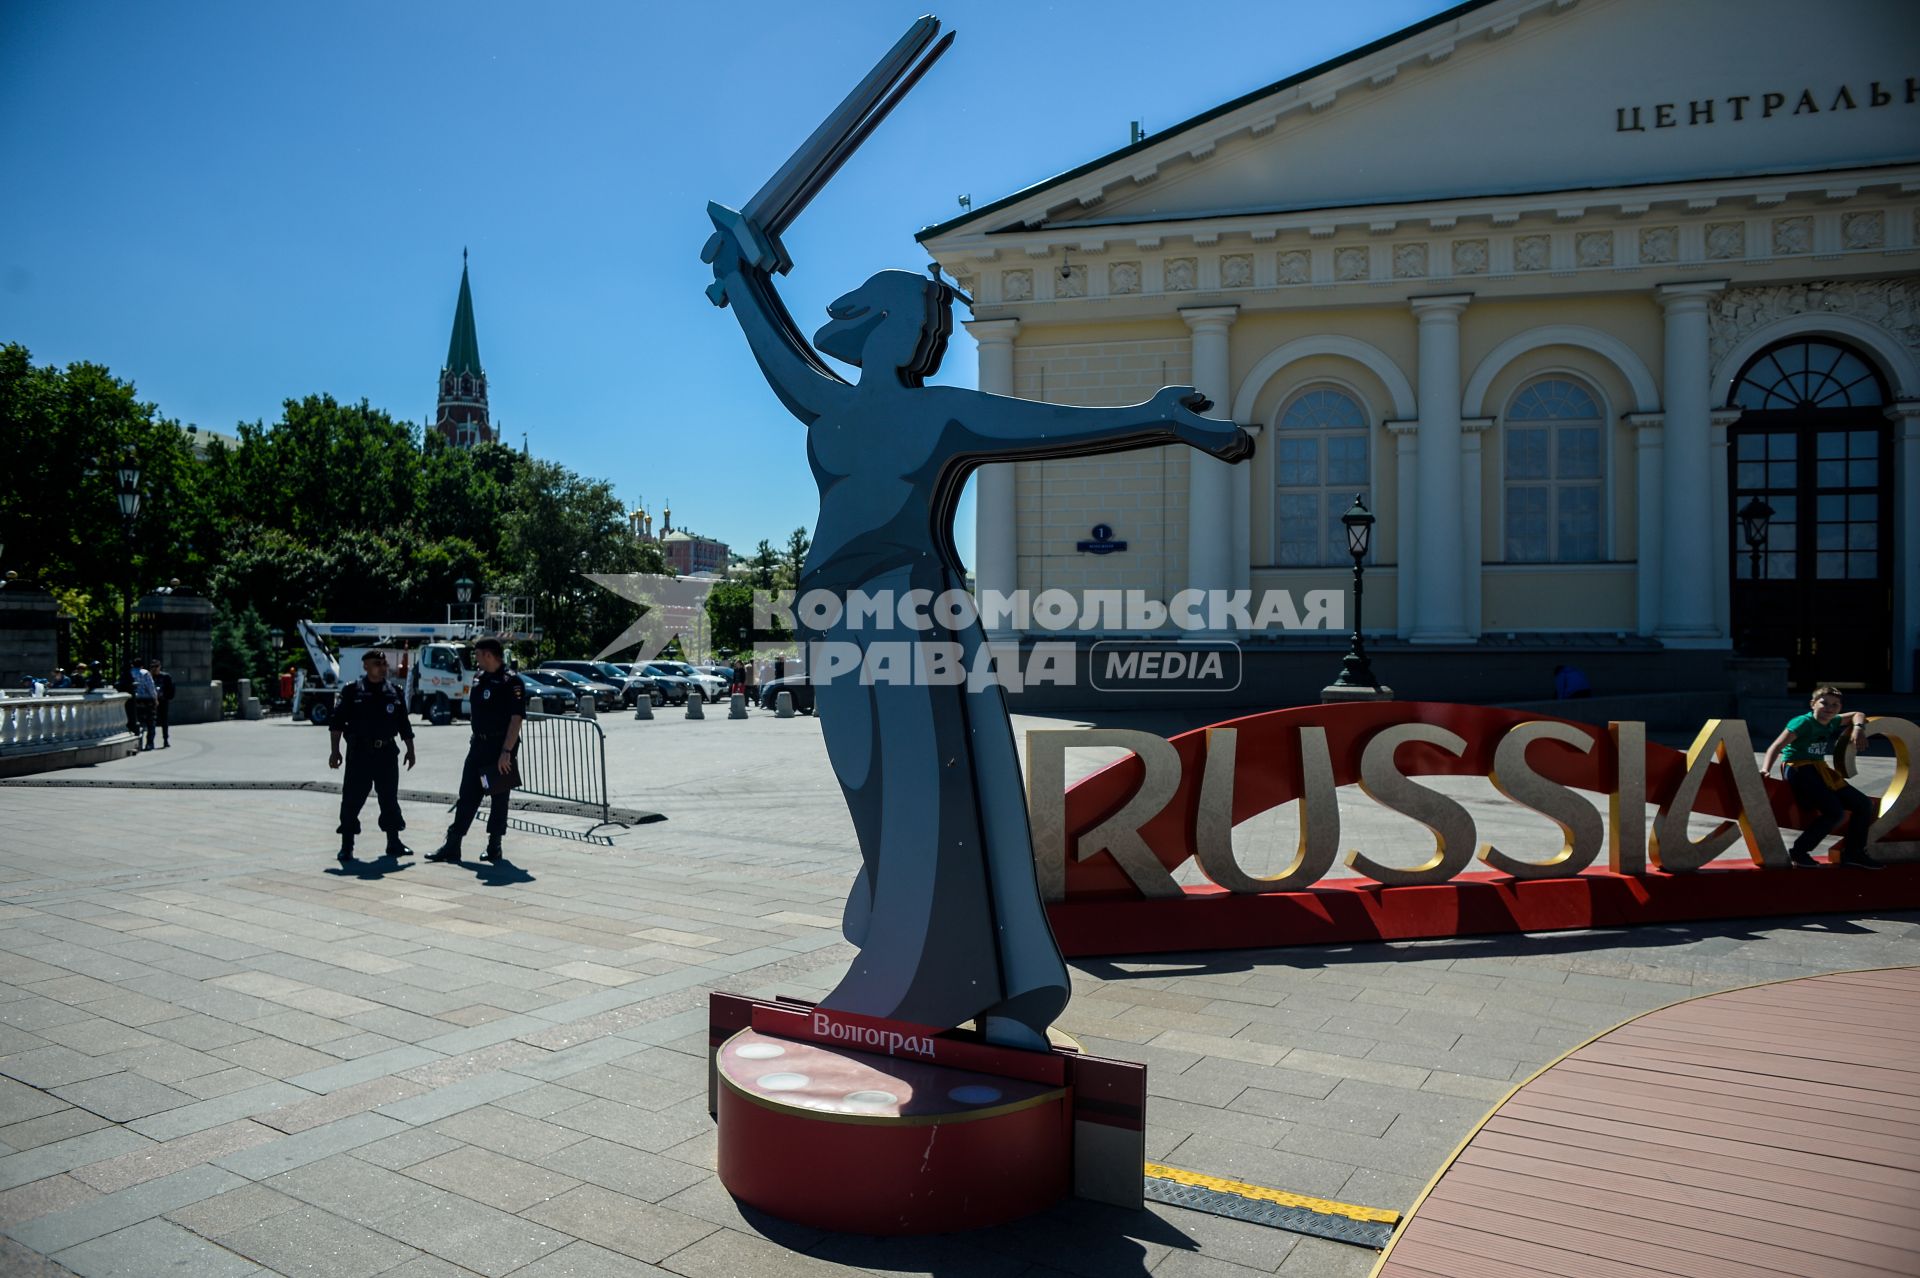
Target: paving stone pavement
(219,1055)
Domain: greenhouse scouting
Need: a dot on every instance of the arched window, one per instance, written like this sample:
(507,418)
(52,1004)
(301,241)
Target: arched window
(1812,373)
(1319,466)
(466,384)
(1555,472)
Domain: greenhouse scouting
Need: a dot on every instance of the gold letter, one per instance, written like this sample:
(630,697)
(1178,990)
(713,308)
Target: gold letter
(1627,805)
(1384,783)
(1579,821)
(1319,817)
(1902,795)
(1119,833)
(1726,740)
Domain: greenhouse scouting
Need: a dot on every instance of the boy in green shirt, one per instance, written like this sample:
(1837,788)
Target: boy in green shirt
(1818,788)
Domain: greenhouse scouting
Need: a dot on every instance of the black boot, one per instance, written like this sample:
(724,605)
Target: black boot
(346,850)
(449,850)
(396,849)
(493,849)
(1861,860)
(1801,860)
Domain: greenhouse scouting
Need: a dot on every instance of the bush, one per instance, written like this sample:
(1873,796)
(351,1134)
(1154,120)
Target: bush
(243,649)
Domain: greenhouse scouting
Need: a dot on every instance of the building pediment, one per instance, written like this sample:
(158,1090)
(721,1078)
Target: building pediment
(1515,97)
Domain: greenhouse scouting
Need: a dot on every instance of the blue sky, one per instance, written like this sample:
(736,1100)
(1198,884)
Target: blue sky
(232,204)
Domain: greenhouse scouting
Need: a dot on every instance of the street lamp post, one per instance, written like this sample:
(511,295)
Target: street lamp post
(1355,670)
(1753,526)
(126,487)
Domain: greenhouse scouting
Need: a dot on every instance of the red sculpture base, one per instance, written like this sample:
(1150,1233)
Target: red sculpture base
(848,1141)
(869,1126)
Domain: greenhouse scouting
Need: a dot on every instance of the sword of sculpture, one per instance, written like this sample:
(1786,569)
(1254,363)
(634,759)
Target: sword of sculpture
(758,225)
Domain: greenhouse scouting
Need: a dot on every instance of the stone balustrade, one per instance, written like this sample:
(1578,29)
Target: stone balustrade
(62,729)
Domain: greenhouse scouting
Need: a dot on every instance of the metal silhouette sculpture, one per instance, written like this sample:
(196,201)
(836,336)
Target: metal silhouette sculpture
(946,910)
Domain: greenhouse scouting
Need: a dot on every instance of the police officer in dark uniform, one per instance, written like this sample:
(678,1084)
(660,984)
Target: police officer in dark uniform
(371,713)
(499,708)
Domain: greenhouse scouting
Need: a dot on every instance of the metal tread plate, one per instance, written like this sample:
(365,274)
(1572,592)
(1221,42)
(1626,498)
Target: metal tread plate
(1216,1199)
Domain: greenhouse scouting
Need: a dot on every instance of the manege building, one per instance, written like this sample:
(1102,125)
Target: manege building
(1558,286)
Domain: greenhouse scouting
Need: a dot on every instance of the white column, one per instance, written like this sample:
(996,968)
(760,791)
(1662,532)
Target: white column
(995,516)
(1649,436)
(1719,476)
(1687,573)
(1210,482)
(1406,540)
(1471,553)
(1440,586)
(1906,540)
(1243,523)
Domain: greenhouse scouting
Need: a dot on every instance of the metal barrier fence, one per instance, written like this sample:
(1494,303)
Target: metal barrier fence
(565,757)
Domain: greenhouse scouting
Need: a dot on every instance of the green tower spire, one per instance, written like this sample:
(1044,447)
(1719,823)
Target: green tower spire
(463,351)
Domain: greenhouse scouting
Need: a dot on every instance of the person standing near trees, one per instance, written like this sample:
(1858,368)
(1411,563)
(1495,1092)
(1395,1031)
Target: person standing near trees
(499,702)
(163,702)
(145,696)
(370,713)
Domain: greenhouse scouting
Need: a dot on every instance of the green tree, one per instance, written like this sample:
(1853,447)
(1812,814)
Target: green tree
(243,649)
(730,616)
(763,566)
(794,558)
(560,527)
(67,430)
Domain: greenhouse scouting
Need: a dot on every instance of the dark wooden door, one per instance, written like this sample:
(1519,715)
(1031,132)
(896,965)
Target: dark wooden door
(1823,594)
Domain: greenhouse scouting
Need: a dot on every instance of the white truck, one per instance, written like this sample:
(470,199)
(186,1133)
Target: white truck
(437,659)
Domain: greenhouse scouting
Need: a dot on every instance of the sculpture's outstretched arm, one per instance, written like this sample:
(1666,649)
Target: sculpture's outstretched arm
(803,381)
(1001,428)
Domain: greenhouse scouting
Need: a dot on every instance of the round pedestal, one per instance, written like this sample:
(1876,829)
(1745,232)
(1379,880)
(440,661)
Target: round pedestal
(858,1143)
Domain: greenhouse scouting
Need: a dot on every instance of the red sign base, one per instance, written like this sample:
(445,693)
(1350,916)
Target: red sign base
(1335,911)
(914,1131)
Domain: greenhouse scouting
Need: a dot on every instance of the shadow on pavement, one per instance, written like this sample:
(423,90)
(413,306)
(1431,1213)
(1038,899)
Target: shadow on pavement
(498,874)
(367,870)
(1648,936)
(1073,1237)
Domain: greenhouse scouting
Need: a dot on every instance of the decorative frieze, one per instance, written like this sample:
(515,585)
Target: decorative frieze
(1863,230)
(1792,235)
(1726,240)
(1659,244)
(1351,259)
(1469,257)
(1593,248)
(1893,305)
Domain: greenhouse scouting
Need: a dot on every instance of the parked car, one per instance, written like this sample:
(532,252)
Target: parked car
(799,685)
(676,686)
(605,696)
(546,694)
(712,686)
(632,686)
